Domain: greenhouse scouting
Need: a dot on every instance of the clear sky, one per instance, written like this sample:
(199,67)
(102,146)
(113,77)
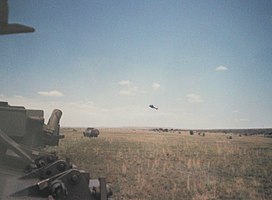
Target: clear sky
(205,64)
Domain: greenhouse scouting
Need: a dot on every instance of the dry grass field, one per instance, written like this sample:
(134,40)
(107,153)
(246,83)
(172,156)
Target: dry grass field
(143,164)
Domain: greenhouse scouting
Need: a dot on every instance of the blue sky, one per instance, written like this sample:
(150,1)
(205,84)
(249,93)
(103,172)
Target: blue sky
(205,64)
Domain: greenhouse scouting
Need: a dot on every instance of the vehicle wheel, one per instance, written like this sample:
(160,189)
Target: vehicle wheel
(95,132)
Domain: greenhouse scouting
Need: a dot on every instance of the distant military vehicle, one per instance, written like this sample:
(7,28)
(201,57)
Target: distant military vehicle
(91,132)
(269,135)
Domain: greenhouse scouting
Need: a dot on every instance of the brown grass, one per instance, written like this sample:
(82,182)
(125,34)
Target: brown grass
(142,164)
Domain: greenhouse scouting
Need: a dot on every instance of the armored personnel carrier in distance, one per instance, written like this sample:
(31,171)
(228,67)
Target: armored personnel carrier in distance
(91,132)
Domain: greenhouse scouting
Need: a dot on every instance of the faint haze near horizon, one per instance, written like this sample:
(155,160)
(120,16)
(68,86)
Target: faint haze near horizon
(205,64)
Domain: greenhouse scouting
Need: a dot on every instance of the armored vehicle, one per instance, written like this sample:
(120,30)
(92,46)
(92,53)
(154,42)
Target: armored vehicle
(29,172)
(27,126)
(91,132)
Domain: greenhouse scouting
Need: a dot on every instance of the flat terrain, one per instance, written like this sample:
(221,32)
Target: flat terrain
(144,164)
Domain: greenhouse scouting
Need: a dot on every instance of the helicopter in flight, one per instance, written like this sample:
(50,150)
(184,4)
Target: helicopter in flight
(7,28)
(152,106)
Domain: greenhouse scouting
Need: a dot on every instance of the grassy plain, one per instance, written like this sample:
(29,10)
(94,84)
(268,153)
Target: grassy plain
(143,164)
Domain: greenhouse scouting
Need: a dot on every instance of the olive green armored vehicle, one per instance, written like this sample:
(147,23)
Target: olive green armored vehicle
(28,172)
(91,132)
